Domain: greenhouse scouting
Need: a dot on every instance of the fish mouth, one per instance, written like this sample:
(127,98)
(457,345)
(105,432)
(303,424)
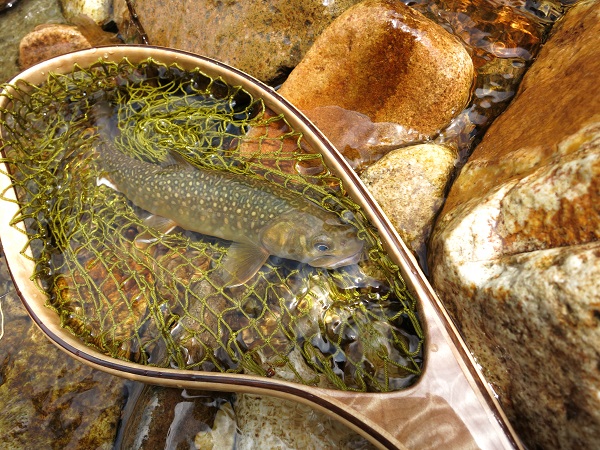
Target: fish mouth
(326,261)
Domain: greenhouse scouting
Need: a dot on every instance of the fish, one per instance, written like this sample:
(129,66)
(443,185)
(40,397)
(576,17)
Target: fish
(260,218)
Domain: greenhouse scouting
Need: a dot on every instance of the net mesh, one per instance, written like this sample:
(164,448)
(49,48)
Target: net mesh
(162,304)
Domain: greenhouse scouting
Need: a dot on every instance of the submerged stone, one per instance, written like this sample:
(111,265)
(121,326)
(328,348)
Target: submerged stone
(50,400)
(388,62)
(158,417)
(15,23)
(360,140)
(515,253)
(270,422)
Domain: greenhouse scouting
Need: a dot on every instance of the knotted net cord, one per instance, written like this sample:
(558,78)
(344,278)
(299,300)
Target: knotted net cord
(353,328)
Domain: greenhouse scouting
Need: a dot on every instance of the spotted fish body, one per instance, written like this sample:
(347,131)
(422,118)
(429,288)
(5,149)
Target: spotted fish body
(260,218)
(212,202)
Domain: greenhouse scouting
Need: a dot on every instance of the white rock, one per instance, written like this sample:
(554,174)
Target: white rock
(518,268)
(98,10)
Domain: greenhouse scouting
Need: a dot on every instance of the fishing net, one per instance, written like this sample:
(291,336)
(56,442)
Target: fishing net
(162,303)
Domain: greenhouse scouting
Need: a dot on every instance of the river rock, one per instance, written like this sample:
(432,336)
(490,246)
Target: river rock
(515,255)
(357,137)
(263,38)
(15,23)
(100,11)
(270,422)
(50,40)
(409,184)
(389,62)
(158,417)
(47,41)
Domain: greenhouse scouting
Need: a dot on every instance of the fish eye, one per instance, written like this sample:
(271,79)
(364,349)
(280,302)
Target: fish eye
(322,243)
(321,247)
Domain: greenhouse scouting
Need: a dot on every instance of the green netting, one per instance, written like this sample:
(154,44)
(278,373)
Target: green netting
(161,300)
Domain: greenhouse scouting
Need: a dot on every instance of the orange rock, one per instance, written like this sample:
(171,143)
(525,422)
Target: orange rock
(388,62)
(48,41)
(511,149)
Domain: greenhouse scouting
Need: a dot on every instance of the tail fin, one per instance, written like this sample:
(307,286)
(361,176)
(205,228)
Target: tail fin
(105,118)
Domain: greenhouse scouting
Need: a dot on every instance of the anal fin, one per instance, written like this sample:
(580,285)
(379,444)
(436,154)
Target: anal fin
(160,224)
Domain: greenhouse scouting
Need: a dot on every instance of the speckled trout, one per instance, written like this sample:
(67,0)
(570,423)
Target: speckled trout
(260,218)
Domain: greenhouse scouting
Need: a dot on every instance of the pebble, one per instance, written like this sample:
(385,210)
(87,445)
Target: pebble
(100,11)
(50,40)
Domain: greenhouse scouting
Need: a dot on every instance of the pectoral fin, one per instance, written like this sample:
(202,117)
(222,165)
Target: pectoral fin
(242,262)
(160,224)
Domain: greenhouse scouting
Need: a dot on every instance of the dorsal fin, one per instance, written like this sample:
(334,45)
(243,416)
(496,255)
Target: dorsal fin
(175,160)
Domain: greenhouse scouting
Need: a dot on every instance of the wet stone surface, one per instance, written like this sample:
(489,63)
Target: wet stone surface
(420,172)
(23,18)
(50,400)
(263,38)
(389,62)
